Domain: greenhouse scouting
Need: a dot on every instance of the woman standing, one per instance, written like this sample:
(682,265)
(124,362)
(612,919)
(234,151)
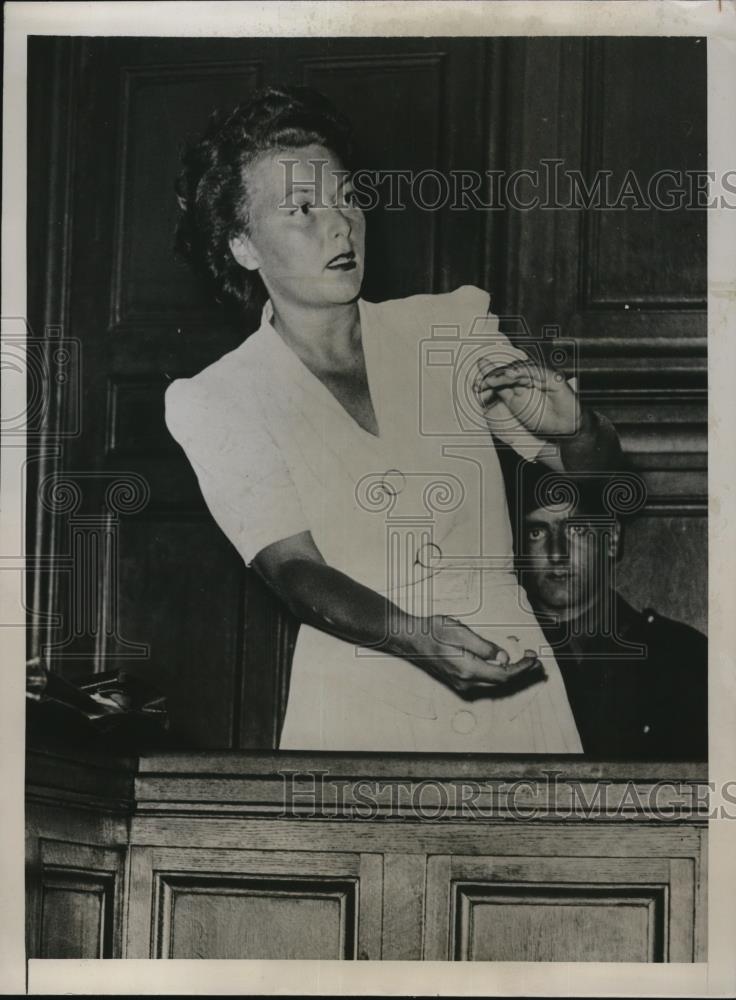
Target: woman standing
(334,456)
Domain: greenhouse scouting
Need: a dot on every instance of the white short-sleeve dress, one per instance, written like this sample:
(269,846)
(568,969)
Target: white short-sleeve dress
(417,513)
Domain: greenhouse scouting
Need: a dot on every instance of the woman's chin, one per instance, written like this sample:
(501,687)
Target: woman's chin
(342,286)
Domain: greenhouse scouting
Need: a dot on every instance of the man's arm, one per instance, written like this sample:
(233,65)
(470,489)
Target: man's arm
(595,447)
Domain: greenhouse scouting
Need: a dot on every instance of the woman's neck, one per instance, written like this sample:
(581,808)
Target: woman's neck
(324,338)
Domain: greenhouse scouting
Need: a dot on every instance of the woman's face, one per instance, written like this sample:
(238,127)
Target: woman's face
(306,237)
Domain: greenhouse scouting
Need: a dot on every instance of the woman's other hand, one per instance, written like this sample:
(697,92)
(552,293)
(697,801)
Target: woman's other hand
(329,600)
(464,661)
(539,398)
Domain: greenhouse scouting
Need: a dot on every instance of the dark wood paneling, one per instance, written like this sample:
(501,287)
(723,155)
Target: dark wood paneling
(649,257)
(136,428)
(181,591)
(408,138)
(622,275)
(53,70)
(163,106)
(664,566)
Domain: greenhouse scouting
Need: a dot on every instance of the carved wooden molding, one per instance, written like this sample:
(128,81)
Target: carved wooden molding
(202,848)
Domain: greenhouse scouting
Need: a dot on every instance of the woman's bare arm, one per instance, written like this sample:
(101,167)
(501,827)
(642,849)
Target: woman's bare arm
(325,598)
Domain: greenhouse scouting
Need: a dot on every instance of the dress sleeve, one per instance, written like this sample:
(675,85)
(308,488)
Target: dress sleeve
(243,477)
(469,309)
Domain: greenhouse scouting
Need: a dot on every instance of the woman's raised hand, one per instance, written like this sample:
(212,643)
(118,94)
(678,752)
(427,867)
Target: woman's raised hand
(465,661)
(538,397)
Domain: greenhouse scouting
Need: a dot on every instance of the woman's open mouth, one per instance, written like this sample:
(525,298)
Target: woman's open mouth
(342,262)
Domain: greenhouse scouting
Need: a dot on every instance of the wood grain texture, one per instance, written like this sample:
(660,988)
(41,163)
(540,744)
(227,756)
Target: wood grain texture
(438,909)
(218,903)
(81,898)
(701,900)
(141,878)
(403,906)
(559,909)
(567,908)
(263,918)
(371,933)
(139,911)
(683,887)
(549,924)
(582,838)
(74,917)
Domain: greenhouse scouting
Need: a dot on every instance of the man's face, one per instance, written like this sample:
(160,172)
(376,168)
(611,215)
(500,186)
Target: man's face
(567,559)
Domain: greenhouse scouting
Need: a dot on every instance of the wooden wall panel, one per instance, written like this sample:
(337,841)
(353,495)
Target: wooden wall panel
(408,138)
(251,903)
(654,258)
(79,894)
(550,924)
(256,918)
(171,103)
(430,126)
(560,909)
(136,427)
(628,286)
(187,578)
(209,855)
(679,542)
(75,920)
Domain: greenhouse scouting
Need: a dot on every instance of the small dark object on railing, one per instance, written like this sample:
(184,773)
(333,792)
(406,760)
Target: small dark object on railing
(113,708)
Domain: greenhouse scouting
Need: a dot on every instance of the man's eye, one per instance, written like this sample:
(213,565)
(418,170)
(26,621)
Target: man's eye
(534,534)
(576,529)
(302,209)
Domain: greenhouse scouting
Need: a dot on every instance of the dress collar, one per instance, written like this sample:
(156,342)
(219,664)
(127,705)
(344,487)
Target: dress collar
(284,359)
(267,314)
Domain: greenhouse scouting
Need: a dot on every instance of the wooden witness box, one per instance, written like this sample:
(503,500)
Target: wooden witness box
(262,855)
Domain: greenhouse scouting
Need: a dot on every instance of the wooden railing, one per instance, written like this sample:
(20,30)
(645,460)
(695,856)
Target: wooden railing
(255,855)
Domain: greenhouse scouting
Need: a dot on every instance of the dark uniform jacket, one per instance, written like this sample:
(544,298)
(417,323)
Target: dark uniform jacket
(650,706)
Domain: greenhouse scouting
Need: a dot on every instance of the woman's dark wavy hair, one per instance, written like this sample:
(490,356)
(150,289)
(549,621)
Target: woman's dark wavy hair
(212,186)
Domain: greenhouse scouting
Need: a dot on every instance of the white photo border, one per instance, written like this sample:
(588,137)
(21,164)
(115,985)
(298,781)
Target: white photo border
(710,18)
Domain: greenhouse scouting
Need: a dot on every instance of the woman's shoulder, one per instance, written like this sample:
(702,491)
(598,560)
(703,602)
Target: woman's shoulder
(455,308)
(212,393)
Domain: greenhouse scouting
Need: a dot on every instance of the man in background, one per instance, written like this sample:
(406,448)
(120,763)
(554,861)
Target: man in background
(636,681)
